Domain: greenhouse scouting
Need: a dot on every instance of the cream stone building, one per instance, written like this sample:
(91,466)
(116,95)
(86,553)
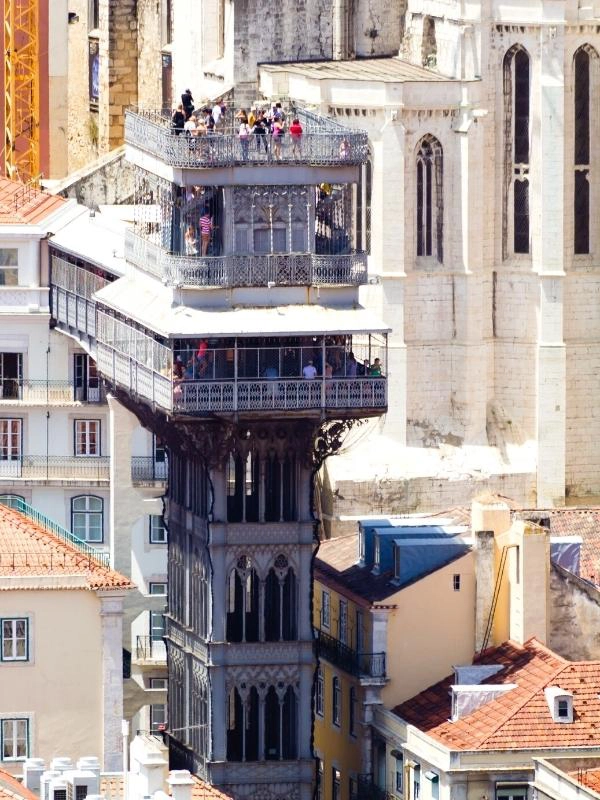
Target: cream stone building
(61,645)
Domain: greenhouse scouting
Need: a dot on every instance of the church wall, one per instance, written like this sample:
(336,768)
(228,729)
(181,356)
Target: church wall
(151,36)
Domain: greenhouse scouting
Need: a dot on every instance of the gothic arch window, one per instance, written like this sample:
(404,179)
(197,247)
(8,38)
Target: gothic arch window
(198,589)
(243,602)
(280,602)
(430,198)
(280,723)
(428,43)
(242,487)
(242,724)
(517,89)
(584,60)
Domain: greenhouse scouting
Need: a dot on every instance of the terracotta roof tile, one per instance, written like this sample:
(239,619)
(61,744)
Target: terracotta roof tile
(204,791)
(20,204)
(520,718)
(13,789)
(590,778)
(27,549)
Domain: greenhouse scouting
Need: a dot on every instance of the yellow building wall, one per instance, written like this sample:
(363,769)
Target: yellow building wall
(431,630)
(61,684)
(333,629)
(335,745)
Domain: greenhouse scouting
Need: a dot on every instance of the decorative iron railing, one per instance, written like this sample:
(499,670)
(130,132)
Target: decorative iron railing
(50,392)
(146,469)
(279,269)
(279,393)
(366,789)
(150,131)
(65,468)
(48,524)
(73,311)
(149,649)
(348,659)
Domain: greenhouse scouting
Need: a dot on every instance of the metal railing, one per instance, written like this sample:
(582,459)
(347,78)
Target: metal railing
(367,789)
(150,131)
(73,311)
(66,468)
(280,269)
(53,527)
(149,649)
(348,659)
(49,392)
(146,469)
(279,393)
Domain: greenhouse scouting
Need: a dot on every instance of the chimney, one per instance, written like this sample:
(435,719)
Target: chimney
(61,764)
(32,772)
(46,779)
(484,583)
(90,763)
(181,784)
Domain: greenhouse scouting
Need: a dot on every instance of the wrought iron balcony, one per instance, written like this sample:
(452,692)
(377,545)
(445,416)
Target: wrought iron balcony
(63,468)
(149,649)
(360,664)
(322,143)
(146,469)
(227,271)
(40,392)
(367,789)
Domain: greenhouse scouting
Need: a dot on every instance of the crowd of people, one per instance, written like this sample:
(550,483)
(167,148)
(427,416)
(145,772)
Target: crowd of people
(265,130)
(200,361)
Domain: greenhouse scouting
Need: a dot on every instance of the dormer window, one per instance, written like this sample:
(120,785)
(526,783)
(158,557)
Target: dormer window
(560,703)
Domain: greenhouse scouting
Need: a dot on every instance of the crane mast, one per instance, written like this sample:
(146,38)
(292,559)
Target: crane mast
(21,90)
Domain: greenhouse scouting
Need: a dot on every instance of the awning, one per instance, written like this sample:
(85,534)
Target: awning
(150,304)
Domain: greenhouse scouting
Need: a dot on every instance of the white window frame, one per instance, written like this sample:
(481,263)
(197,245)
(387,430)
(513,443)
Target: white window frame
(9,267)
(11,438)
(325,609)
(161,688)
(399,774)
(14,736)
(155,726)
(12,622)
(154,528)
(87,437)
(153,584)
(89,514)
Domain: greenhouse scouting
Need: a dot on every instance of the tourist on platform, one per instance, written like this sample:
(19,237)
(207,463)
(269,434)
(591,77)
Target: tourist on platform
(187,101)
(375,369)
(244,134)
(260,131)
(178,120)
(296,137)
(206,229)
(309,371)
(277,133)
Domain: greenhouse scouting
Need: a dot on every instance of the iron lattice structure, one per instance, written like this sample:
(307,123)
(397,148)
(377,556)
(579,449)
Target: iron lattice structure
(21,89)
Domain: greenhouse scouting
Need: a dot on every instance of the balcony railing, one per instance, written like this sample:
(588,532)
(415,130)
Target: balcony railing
(49,392)
(73,311)
(367,789)
(146,469)
(279,394)
(149,649)
(280,269)
(326,144)
(48,524)
(65,468)
(351,661)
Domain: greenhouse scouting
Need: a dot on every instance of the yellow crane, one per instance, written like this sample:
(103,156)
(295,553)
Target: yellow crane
(21,90)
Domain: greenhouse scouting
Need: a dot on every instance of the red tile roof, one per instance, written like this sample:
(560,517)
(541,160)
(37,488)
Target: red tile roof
(204,791)
(20,204)
(590,778)
(27,549)
(520,718)
(13,789)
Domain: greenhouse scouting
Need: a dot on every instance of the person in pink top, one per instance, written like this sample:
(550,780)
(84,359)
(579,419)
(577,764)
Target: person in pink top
(296,137)
(206,229)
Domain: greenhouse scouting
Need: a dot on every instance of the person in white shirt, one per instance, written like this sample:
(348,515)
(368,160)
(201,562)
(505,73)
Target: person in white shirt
(309,371)
(216,112)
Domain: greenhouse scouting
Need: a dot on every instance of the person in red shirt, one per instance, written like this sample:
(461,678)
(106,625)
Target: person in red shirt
(296,137)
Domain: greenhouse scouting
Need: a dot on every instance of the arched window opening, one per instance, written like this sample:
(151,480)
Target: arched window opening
(517,88)
(280,602)
(273,488)
(235,727)
(243,611)
(199,715)
(199,591)
(272,725)
(289,725)
(430,198)
(582,66)
(242,724)
(242,488)
(428,43)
